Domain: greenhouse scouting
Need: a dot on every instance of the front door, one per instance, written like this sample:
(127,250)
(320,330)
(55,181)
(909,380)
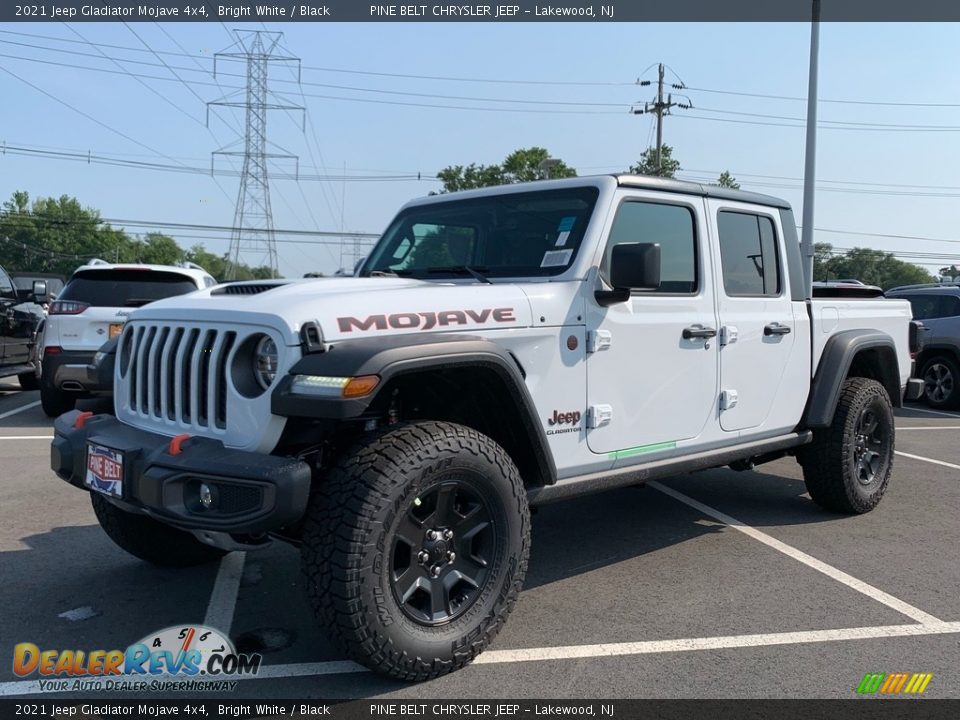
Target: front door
(652,372)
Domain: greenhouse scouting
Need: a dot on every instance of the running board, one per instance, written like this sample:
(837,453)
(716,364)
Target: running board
(641,473)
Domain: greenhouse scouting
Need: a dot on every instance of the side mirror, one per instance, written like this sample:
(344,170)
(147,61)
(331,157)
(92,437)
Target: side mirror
(39,290)
(633,266)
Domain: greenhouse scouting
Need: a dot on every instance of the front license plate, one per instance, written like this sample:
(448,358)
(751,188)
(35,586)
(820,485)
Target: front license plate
(104,470)
(115,329)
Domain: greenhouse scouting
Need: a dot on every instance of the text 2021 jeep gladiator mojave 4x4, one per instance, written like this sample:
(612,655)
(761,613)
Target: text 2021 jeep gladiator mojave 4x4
(498,348)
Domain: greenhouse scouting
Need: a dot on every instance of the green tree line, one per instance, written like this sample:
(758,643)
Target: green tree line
(59,234)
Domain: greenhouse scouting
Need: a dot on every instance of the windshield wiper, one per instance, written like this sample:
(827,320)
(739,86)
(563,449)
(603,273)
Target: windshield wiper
(463,269)
(138,302)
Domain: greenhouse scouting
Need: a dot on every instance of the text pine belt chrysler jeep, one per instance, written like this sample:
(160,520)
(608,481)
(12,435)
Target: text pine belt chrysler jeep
(498,348)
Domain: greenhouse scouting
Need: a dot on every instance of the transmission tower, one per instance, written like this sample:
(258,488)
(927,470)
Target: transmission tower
(252,238)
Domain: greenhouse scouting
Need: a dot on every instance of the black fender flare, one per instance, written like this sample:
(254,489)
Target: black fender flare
(835,364)
(397,355)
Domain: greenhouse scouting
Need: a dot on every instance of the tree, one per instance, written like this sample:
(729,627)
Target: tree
(521,165)
(158,249)
(728,181)
(875,267)
(647,164)
(822,252)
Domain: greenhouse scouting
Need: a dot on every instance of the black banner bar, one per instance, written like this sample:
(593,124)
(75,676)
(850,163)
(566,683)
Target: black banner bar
(419,709)
(507,11)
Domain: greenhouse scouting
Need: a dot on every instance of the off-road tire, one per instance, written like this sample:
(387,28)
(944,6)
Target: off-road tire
(149,540)
(55,402)
(353,526)
(830,463)
(949,372)
(28,381)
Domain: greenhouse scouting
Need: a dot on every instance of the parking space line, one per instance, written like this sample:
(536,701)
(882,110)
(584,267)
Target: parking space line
(571,652)
(931,427)
(28,406)
(27,437)
(929,460)
(648,647)
(934,412)
(223,598)
(834,573)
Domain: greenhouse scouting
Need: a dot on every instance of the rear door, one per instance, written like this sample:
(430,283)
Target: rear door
(8,298)
(763,378)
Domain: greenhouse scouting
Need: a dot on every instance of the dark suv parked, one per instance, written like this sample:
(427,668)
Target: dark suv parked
(938,308)
(19,321)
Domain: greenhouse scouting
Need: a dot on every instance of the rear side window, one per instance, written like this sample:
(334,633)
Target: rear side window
(931,307)
(669,225)
(748,254)
(124,288)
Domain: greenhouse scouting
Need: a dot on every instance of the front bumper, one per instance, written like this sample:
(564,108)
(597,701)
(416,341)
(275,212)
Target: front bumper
(252,492)
(913,389)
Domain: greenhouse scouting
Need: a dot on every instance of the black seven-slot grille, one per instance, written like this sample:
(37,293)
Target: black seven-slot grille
(177,374)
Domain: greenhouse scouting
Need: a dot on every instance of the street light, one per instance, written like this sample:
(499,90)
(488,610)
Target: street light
(547,164)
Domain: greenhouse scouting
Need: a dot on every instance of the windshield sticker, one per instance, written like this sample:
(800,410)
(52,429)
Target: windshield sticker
(556,258)
(562,238)
(566,223)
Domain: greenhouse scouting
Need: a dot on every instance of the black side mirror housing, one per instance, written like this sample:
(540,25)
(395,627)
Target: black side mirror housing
(633,266)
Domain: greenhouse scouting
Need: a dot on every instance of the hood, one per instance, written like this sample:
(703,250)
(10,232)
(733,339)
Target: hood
(352,307)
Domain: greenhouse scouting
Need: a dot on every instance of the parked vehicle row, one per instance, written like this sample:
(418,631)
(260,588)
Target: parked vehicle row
(20,319)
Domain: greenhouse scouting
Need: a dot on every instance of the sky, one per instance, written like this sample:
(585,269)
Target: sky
(579,83)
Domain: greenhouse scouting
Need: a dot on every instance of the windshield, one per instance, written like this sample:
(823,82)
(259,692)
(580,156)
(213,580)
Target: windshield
(517,234)
(125,288)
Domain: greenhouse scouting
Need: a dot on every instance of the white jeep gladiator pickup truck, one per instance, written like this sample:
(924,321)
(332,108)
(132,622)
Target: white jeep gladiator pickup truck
(498,348)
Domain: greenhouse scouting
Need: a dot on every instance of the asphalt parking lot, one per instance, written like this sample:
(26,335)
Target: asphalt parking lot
(714,585)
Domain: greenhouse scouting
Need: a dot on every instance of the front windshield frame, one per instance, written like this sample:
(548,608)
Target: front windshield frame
(567,212)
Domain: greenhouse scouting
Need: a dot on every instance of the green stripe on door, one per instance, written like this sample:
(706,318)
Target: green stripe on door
(642,449)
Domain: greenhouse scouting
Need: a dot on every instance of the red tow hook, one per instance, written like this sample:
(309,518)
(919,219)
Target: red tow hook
(81,419)
(176,443)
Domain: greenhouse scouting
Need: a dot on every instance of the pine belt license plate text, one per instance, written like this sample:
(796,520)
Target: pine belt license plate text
(104,470)
(115,329)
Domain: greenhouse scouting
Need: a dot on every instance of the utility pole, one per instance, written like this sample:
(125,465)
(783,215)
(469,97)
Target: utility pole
(810,161)
(659,107)
(253,219)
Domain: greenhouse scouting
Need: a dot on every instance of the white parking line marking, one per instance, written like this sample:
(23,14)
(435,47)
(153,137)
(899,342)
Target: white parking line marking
(27,437)
(569,652)
(223,599)
(934,412)
(931,427)
(8,413)
(929,460)
(835,574)
(647,647)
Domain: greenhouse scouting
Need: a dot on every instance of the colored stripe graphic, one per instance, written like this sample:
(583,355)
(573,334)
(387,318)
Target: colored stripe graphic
(894,683)
(642,449)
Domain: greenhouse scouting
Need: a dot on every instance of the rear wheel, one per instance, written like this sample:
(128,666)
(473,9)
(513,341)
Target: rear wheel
(941,382)
(415,548)
(149,540)
(847,467)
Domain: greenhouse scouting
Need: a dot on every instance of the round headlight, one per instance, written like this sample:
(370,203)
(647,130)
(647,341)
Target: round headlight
(265,361)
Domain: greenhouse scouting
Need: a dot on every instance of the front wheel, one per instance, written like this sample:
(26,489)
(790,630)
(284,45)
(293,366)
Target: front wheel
(847,467)
(415,548)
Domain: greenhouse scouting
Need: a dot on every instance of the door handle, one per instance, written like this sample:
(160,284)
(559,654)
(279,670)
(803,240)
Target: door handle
(698,331)
(776,329)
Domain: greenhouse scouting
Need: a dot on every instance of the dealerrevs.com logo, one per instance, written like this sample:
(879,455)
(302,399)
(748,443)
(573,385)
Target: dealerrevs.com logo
(182,657)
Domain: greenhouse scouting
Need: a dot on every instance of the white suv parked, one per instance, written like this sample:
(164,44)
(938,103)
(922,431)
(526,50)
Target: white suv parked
(91,310)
